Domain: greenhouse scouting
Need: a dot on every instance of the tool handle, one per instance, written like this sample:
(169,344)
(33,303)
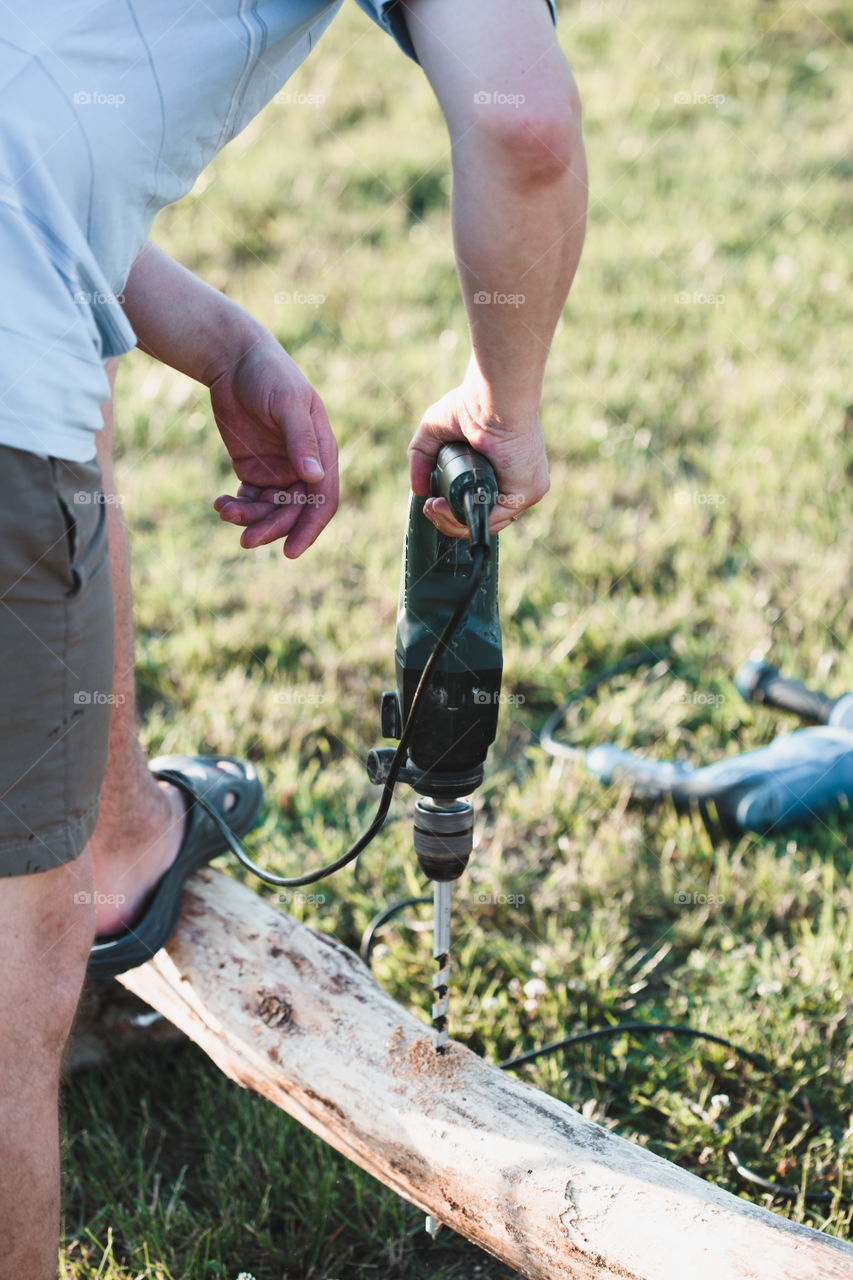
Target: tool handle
(762,682)
(467,480)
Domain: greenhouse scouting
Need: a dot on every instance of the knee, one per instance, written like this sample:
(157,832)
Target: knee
(47,923)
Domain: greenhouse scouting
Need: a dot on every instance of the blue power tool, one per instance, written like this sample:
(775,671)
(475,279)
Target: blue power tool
(794,780)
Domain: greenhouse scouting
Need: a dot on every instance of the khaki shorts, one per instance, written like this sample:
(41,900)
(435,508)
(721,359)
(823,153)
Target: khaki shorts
(56,658)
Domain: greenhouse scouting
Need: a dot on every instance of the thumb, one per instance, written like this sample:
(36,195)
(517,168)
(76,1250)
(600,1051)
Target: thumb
(296,424)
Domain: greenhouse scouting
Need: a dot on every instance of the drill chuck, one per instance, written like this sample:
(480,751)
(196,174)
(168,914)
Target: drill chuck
(444,837)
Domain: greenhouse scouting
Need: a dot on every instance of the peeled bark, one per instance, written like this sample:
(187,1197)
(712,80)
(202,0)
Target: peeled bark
(295,1016)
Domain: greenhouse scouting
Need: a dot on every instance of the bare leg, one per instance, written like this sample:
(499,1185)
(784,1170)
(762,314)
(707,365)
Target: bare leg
(45,936)
(141,821)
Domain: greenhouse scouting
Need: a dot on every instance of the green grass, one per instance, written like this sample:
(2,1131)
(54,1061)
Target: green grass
(652,405)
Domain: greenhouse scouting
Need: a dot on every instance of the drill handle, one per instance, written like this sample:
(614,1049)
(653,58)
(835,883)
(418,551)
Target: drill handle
(467,480)
(762,682)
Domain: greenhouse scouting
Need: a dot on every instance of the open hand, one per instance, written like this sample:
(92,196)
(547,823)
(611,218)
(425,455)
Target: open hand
(282,448)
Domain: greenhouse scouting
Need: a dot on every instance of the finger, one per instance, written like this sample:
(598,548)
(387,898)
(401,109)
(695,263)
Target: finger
(250,492)
(505,513)
(276,523)
(235,511)
(295,421)
(422,453)
(317,513)
(438,511)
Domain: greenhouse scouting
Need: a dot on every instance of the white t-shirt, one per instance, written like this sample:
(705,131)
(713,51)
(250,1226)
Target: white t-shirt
(111,109)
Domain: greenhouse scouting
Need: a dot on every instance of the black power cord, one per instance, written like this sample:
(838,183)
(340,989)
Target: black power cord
(479,557)
(656,1028)
(798,1097)
(632,662)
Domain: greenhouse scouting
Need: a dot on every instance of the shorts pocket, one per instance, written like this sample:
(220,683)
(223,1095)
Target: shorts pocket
(84,513)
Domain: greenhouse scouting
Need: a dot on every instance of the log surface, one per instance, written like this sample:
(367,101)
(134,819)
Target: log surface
(296,1016)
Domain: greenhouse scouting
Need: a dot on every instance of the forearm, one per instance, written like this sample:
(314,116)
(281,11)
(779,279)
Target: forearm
(182,321)
(518,239)
(519,180)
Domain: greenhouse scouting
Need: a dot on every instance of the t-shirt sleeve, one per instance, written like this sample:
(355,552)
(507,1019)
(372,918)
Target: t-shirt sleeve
(390,17)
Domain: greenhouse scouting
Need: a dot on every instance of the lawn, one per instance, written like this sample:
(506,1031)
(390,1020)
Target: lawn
(701,457)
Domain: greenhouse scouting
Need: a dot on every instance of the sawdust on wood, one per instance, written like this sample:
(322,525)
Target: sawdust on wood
(423,1059)
(395,1041)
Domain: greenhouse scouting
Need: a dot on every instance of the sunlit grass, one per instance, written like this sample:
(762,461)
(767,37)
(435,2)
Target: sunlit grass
(695,410)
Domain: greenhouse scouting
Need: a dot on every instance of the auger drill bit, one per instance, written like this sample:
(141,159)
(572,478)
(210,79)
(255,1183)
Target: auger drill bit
(441,955)
(444,837)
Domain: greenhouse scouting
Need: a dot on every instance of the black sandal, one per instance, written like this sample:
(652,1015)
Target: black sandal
(201,778)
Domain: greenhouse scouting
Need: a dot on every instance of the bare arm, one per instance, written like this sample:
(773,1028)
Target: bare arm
(271,419)
(519,211)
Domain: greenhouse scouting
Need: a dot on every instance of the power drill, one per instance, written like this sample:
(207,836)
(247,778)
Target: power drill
(458,716)
(796,778)
(760,681)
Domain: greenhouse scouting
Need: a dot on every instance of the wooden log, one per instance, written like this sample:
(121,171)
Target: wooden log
(295,1016)
(111,1022)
